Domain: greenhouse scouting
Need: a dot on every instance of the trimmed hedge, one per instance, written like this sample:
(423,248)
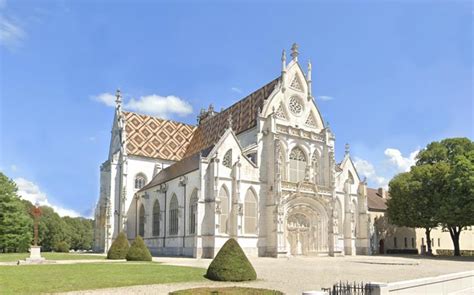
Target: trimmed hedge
(402,251)
(449,252)
(119,248)
(231,264)
(61,247)
(138,251)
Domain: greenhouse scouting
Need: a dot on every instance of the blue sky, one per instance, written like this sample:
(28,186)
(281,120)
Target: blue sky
(389,77)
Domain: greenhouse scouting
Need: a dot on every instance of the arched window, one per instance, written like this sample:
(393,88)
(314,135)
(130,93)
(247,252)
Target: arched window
(297,165)
(156,218)
(193,212)
(140,180)
(315,164)
(224,216)
(174,215)
(227,161)
(250,213)
(350,177)
(141,221)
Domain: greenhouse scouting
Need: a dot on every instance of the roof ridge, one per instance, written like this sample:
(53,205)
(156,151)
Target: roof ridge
(159,118)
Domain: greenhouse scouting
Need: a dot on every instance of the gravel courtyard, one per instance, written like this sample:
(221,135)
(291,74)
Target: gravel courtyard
(296,274)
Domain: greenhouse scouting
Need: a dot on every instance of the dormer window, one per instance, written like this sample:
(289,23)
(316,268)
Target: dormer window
(140,181)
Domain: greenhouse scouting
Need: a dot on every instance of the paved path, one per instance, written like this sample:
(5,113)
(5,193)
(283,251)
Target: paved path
(296,274)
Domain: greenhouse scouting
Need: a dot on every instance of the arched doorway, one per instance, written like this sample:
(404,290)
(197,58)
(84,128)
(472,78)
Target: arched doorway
(306,227)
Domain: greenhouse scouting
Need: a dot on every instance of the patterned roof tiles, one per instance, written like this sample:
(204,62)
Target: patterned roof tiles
(153,137)
(244,116)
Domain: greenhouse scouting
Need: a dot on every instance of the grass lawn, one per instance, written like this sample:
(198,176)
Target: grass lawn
(46,278)
(8,257)
(226,291)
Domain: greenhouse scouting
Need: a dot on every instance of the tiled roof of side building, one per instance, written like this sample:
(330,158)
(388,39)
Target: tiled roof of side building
(375,201)
(182,167)
(153,137)
(244,115)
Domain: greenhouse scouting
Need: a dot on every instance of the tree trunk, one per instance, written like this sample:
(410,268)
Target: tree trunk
(428,240)
(455,232)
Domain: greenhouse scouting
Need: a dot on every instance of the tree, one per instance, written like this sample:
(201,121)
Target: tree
(231,264)
(438,190)
(456,207)
(52,229)
(15,225)
(414,198)
(138,251)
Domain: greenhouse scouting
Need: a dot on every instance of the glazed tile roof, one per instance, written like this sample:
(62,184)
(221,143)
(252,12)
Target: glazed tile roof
(375,201)
(152,137)
(244,116)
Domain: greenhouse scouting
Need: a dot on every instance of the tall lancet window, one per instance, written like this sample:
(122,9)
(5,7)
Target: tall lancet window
(250,213)
(156,218)
(224,216)
(193,213)
(315,164)
(297,165)
(141,221)
(174,215)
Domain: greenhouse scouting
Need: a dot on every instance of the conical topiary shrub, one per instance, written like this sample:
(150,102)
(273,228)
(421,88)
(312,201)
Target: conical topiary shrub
(119,248)
(138,251)
(231,264)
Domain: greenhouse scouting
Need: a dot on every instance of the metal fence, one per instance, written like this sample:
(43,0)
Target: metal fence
(347,288)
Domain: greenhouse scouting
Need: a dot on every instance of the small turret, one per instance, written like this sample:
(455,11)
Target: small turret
(294,52)
(283,69)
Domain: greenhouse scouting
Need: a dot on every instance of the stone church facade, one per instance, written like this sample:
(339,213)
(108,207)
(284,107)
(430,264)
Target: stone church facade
(262,171)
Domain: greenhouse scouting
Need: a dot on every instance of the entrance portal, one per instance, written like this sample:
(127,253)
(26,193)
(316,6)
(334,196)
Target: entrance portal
(306,230)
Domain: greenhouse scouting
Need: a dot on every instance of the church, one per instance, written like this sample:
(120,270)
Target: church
(262,171)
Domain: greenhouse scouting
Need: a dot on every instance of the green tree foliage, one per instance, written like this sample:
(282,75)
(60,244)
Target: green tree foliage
(62,247)
(439,190)
(138,251)
(15,224)
(119,248)
(52,229)
(231,264)
(79,232)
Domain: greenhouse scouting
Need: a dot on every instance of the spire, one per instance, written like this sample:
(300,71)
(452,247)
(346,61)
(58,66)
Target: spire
(347,147)
(283,69)
(309,80)
(294,52)
(118,99)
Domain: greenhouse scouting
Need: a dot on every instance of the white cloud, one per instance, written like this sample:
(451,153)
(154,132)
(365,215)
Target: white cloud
(401,163)
(105,98)
(156,105)
(161,106)
(365,168)
(235,89)
(11,34)
(28,190)
(325,97)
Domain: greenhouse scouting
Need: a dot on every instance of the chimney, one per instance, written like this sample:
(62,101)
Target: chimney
(382,192)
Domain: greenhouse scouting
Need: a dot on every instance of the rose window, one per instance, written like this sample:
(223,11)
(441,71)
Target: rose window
(295,106)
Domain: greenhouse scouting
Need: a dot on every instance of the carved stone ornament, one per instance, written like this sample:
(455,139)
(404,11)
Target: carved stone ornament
(295,106)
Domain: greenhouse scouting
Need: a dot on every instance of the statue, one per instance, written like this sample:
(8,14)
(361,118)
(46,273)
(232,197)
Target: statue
(36,212)
(35,250)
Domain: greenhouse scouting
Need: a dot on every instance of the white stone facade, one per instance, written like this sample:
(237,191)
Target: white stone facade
(276,188)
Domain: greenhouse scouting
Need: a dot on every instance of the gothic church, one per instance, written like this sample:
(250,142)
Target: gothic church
(262,171)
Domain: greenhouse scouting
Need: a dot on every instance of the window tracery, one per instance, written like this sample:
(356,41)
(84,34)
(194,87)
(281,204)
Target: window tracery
(295,106)
(227,161)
